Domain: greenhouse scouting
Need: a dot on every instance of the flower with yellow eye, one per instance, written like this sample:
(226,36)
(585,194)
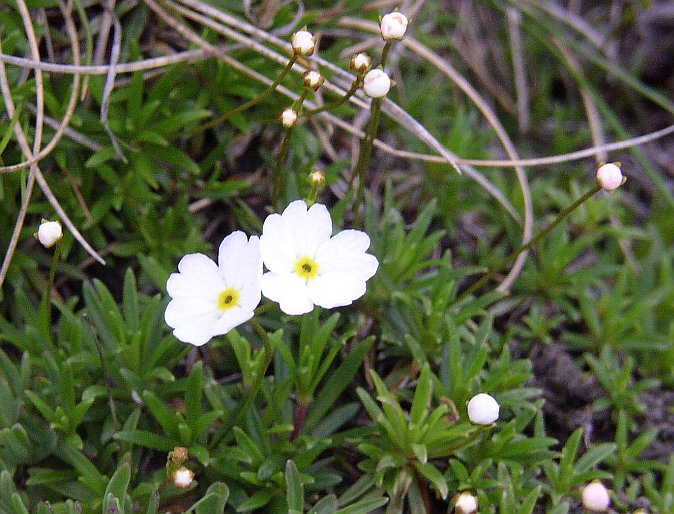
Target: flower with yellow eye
(210,299)
(307,265)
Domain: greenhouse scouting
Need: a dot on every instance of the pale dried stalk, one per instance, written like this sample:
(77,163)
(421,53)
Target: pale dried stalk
(521,89)
(34,169)
(39,117)
(466,87)
(598,139)
(146,64)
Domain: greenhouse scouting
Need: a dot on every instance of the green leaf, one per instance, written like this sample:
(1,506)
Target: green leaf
(118,484)
(214,501)
(438,481)
(146,439)
(294,488)
(422,396)
(256,501)
(363,507)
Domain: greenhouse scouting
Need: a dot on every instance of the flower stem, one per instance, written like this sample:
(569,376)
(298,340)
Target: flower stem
(332,105)
(46,299)
(250,103)
(384,52)
(528,245)
(283,153)
(300,413)
(364,156)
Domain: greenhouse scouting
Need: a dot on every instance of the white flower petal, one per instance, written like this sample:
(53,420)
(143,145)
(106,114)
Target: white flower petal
(277,245)
(309,228)
(289,290)
(191,319)
(240,261)
(199,277)
(335,289)
(345,253)
(230,319)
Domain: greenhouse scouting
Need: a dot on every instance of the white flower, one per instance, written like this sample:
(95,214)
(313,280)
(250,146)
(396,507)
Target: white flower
(49,233)
(211,299)
(360,63)
(609,177)
(289,117)
(595,497)
(393,26)
(304,43)
(376,83)
(313,79)
(483,409)
(183,477)
(307,266)
(465,503)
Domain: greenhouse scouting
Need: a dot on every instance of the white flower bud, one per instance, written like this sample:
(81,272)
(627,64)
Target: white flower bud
(595,497)
(609,176)
(316,178)
(313,80)
(393,26)
(483,409)
(183,477)
(376,83)
(304,43)
(465,503)
(289,117)
(49,233)
(360,63)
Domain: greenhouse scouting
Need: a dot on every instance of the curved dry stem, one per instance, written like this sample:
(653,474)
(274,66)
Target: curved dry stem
(112,72)
(39,120)
(129,67)
(60,128)
(491,117)
(35,173)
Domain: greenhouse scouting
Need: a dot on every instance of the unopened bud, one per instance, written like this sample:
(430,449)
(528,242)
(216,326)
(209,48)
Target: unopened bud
(360,63)
(49,233)
(595,497)
(303,42)
(465,503)
(610,177)
(179,455)
(316,178)
(289,117)
(393,26)
(376,83)
(483,409)
(183,477)
(313,79)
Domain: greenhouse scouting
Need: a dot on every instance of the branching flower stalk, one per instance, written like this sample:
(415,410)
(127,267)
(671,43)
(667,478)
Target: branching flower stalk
(250,103)
(283,152)
(528,245)
(365,153)
(333,105)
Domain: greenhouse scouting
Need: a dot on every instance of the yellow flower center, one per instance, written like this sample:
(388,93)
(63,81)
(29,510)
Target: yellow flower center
(228,298)
(306,267)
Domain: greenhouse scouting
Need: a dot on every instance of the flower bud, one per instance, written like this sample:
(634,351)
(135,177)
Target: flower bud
(183,477)
(289,117)
(49,233)
(376,83)
(483,409)
(393,26)
(316,178)
(595,497)
(303,42)
(360,63)
(313,79)
(465,503)
(609,176)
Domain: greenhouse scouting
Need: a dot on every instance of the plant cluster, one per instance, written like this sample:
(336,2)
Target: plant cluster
(374,334)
